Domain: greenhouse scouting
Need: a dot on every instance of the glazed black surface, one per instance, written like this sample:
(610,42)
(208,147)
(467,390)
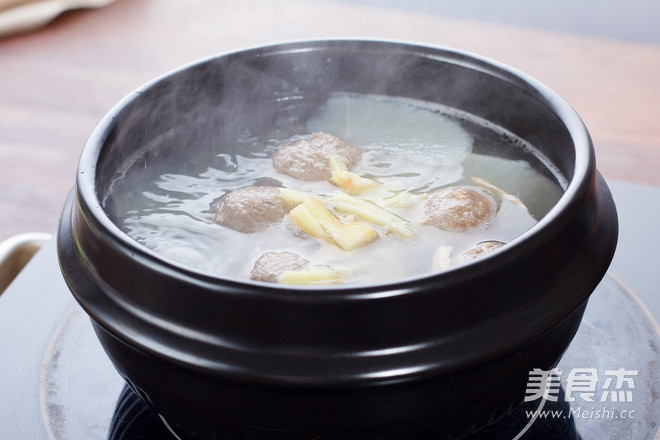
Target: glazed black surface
(435,355)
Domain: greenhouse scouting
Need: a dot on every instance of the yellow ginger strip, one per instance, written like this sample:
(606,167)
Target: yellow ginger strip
(292,196)
(404,199)
(501,192)
(373,213)
(315,219)
(349,181)
(314,275)
(306,221)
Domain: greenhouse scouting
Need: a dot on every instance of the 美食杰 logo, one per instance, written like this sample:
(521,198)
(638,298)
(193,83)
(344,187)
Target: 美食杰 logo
(591,393)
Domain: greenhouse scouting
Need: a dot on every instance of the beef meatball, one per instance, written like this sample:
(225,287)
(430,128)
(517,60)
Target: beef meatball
(250,209)
(459,209)
(480,249)
(308,159)
(270,265)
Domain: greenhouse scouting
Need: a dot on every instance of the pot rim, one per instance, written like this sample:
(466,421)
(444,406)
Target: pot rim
(579,185)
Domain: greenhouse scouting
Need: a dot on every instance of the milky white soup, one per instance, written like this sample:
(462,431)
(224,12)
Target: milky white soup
(411,149)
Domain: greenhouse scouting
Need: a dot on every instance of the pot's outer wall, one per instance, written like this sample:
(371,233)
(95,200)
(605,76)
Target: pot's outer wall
(484,325)
(437,408)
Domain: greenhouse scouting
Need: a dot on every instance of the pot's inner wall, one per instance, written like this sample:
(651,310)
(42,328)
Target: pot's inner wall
(259,92)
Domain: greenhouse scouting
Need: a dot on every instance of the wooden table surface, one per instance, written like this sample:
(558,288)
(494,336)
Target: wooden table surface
(57,82)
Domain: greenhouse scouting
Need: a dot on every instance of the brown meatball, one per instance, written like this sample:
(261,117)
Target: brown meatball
(459,209)
(250,209)
(270,265)
(480,249)
(308,159)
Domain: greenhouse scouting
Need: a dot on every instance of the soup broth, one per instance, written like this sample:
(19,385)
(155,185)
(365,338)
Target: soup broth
(411,149)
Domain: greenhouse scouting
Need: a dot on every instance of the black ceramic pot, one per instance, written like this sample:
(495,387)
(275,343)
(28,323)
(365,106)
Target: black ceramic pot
(435,356)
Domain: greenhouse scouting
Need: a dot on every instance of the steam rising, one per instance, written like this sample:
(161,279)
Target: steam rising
(418,134)
(189,139)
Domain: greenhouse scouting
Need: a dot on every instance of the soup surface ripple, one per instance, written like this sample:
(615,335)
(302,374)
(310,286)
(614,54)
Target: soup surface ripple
(380,216)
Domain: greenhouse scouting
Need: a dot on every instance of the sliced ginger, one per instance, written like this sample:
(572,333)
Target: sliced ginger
(349,181)
(372,213)
(314,275)
(292,196)
(404,199)
(315,219)
(501,192)
(303,217)
(345,204)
